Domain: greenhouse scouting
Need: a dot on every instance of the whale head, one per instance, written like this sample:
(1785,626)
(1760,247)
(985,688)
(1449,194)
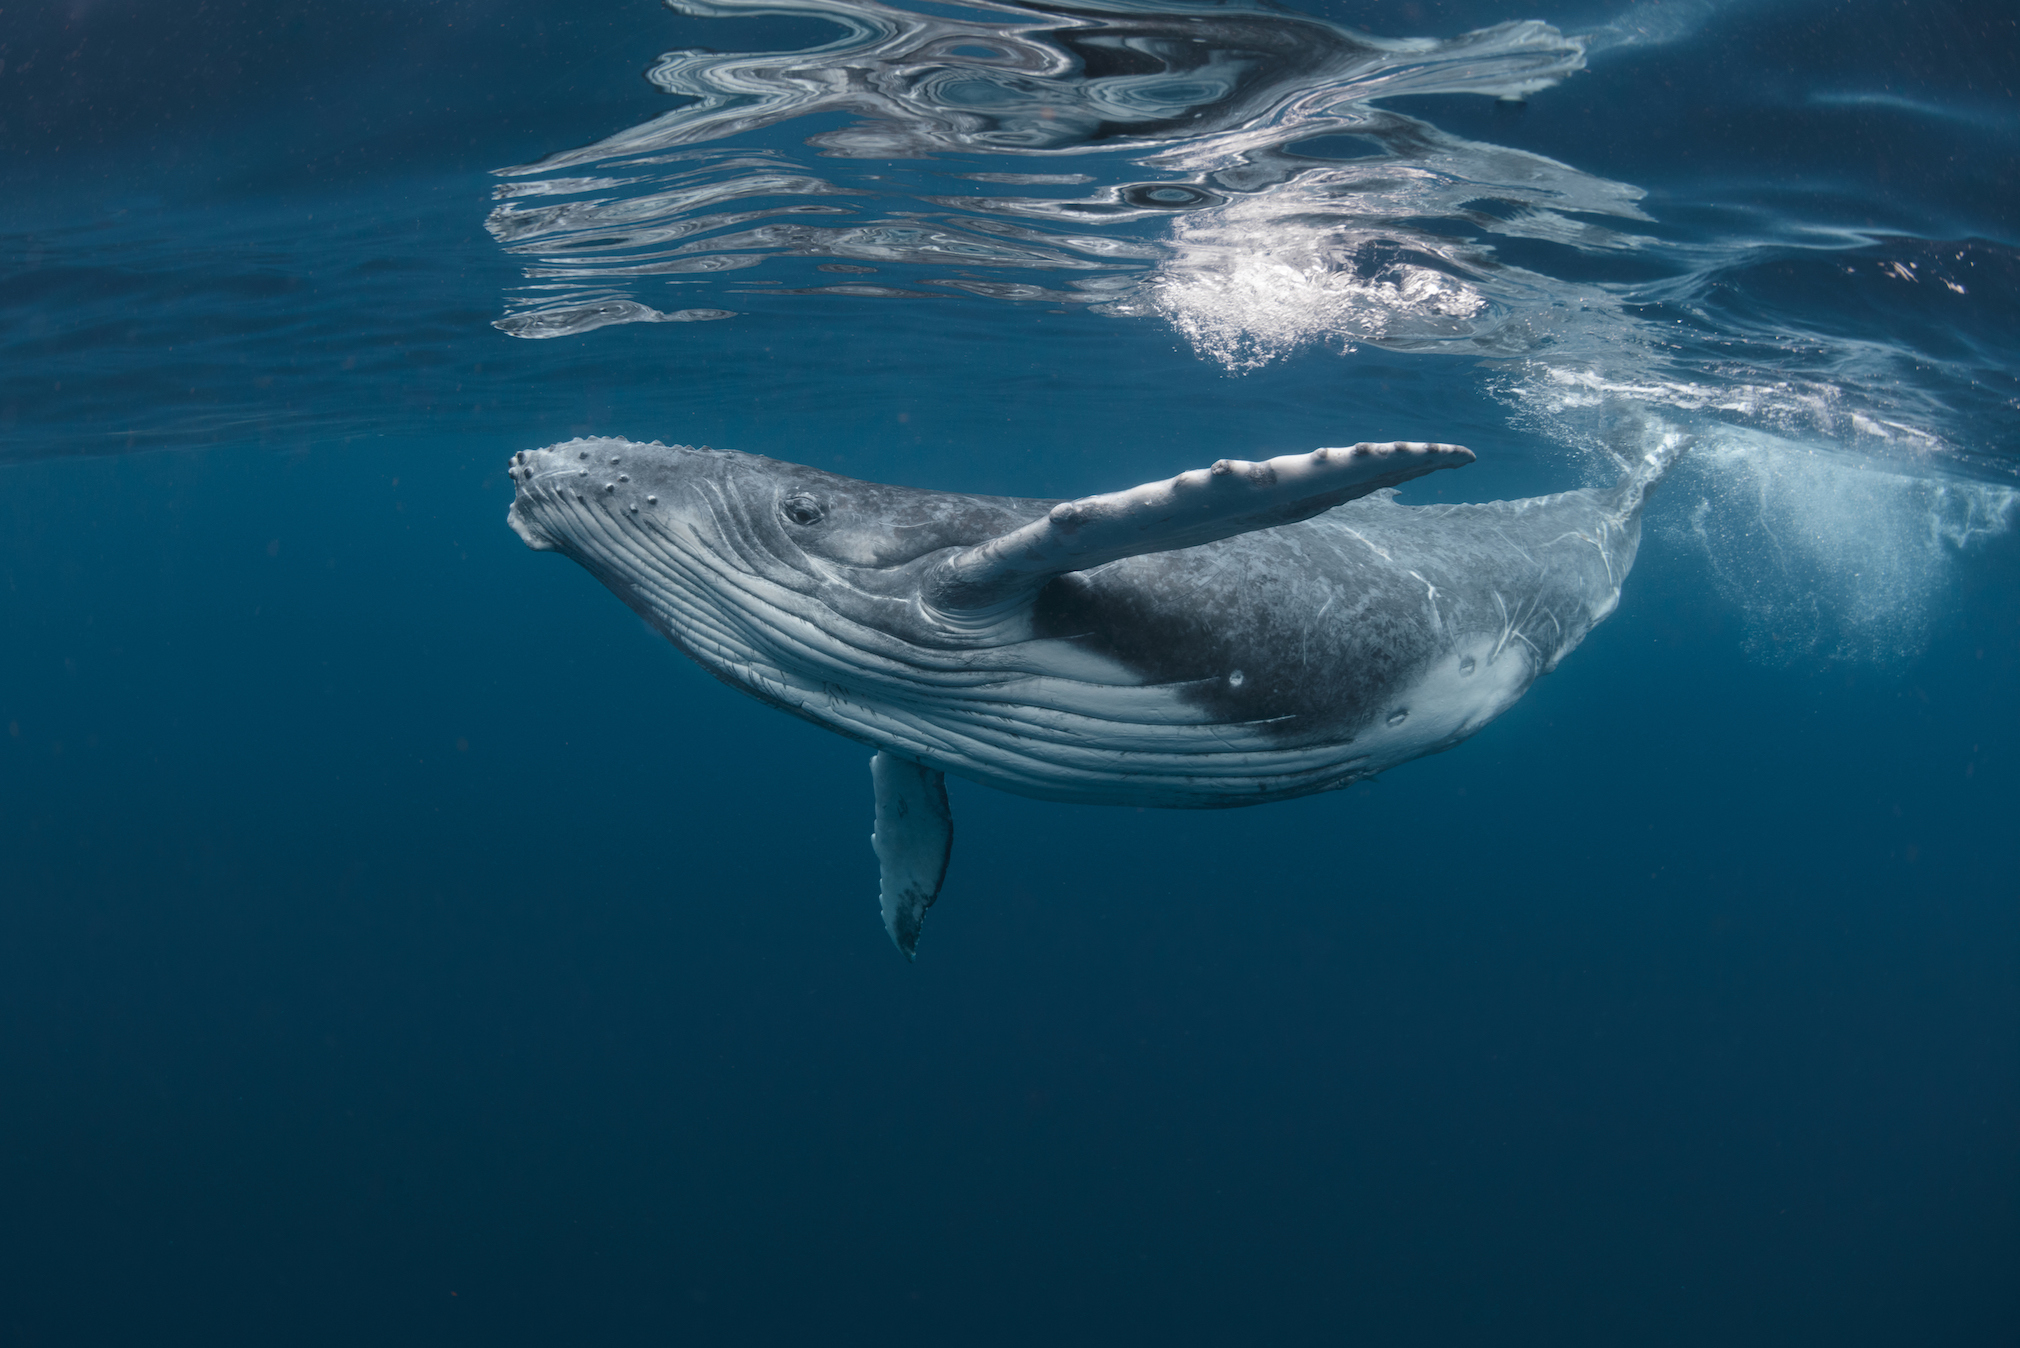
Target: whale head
(729,554)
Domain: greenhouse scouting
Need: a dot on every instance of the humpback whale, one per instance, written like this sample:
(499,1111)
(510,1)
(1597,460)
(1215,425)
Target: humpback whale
(1237,634)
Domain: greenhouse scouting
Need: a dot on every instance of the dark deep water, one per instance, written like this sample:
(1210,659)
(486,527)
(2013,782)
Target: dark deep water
(399,943)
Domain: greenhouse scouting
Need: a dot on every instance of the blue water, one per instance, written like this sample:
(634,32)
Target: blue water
(400,943)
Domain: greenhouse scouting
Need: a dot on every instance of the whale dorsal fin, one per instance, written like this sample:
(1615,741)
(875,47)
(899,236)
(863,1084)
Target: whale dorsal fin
(1232,497)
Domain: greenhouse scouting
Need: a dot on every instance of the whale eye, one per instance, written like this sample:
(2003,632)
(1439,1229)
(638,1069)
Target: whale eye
(801,509)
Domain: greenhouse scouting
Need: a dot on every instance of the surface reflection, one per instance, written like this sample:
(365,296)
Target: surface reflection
(1231,175)
(1243,175)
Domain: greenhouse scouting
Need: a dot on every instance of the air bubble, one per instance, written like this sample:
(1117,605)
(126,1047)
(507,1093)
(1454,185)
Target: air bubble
(583,455)
(1466,665)
(1396,718)
(652,500)
(610,486)
(624,477)
(1236,679)
(1828,558)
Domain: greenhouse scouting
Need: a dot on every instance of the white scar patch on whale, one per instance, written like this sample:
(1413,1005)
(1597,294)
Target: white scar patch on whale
(1238,634)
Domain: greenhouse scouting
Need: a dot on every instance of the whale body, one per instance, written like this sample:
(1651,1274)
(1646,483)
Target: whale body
(1239,634)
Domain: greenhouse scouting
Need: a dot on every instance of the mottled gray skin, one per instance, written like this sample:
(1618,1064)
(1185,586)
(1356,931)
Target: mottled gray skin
(1280,662)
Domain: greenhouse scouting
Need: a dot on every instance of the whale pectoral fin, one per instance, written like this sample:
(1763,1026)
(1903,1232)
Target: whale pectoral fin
(1232,497)
(914,838)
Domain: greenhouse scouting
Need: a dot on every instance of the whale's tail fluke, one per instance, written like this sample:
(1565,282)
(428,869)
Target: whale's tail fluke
(1646,448)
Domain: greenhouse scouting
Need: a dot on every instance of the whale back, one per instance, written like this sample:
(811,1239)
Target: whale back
(1322,629)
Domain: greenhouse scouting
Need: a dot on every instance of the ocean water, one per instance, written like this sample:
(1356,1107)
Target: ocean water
(400,943)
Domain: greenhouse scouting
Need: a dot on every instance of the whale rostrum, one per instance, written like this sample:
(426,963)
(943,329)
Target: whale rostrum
(1237,634)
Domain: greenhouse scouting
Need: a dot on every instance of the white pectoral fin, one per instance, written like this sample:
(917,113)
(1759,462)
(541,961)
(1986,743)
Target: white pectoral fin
(914,838)
(1204,505)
